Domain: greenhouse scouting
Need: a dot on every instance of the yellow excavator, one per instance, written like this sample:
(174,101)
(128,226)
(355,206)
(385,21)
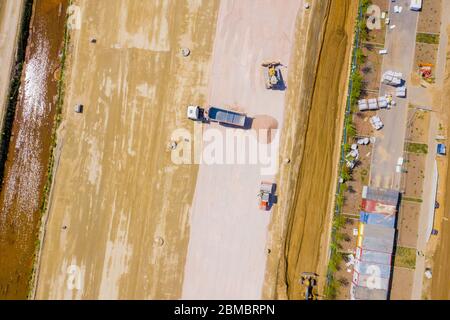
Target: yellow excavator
(309,281)
(272,73)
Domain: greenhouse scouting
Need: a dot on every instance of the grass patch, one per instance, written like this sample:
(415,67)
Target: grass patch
(405,257)
(412,199)
(427,38)
(419,148)
(364,173)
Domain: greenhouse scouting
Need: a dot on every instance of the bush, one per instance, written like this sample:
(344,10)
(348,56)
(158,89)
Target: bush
(357,86)
(350,128)
(360,57)
(339,222)
(332,289)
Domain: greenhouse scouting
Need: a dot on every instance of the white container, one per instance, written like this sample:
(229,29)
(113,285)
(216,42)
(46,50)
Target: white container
(416,5)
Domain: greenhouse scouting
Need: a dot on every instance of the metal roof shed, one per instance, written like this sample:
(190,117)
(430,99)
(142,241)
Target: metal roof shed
(378,207)
(382,195)
(368,281)
(369,268)
(379,232)
(362,293)
(375,244)
(379,219)
(373,256)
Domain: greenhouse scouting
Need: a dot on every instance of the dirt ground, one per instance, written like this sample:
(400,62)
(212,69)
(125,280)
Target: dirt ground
(441,260)
(360,178)
(371,68)
(344,273)
(10,18)
(307,183)
(415,168)
(348,244)
(362,123)
(426,53)
(418,127)
(430,17)
(109,234)
(227,250)
(344,277)
(408,232)
(402,280)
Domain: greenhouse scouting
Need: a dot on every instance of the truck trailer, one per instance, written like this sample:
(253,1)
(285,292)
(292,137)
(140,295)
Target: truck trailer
(216,114)
(416,5)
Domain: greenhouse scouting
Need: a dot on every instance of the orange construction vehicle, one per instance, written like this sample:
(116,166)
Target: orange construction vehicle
(265,195)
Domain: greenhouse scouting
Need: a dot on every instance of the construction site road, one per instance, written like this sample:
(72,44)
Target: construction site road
(441,260)
(400,43)
(227,249)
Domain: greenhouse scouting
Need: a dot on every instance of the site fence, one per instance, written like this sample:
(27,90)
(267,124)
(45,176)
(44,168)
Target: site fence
(347,117)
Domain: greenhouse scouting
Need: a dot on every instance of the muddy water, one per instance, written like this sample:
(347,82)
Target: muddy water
(29,149)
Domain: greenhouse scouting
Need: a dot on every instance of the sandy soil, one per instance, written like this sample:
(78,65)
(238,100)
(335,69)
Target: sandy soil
(307,183)
(118,217)
(118,223)
(441,260)
(227,248)
(10,18)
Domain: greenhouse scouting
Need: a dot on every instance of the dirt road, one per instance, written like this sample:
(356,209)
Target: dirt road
(440,288)
(118,217)
(10,18)
(227,248)
(310,176)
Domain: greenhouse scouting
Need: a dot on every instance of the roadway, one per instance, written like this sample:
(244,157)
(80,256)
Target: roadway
(389,146)
(227,250)
(400,43)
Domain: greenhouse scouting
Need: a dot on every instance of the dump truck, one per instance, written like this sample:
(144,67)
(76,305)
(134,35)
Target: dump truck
(272,74)
(309,280)
(216,114)
(265,195)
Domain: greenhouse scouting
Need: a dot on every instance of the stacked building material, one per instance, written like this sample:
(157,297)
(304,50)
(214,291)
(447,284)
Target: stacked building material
(382,102)
(392,78)
(375,244)
(362,105)
(376,122)
(401,92)
(373,105)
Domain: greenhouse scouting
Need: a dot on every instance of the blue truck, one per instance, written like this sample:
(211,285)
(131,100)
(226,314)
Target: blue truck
(215,114)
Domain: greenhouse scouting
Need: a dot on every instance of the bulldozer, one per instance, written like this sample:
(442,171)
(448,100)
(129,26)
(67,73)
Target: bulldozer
(272,73)
(309,281)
